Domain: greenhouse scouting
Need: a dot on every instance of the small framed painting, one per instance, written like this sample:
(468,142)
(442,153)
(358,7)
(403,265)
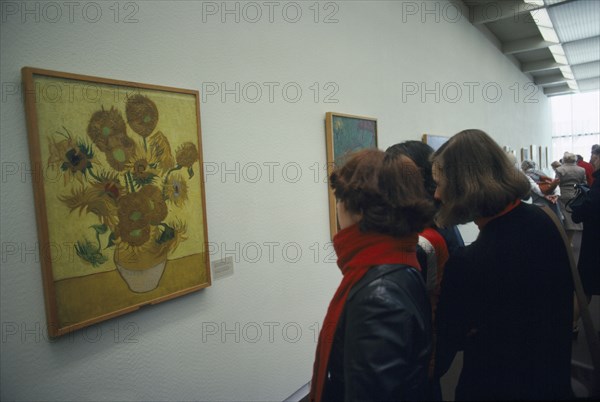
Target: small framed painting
(533,155)
(345,134)
(434,141)
(525,154)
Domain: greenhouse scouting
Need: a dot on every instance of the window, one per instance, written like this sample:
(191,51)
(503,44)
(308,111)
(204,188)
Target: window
(575,124)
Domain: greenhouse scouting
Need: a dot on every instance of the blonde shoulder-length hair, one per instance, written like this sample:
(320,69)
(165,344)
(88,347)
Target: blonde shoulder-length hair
(476,178)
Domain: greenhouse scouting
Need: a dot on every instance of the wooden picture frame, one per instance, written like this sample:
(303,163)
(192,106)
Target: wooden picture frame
(434,141)
(512,153)
(525,154)
(345,134)
(120,200)
(533,154)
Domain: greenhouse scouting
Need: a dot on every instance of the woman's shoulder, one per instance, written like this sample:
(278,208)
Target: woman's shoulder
(571,168)
(524,221)
(387,282)
(528,214)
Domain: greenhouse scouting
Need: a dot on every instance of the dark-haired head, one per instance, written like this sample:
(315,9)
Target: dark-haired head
(475,178)
(387,192)
(420,153)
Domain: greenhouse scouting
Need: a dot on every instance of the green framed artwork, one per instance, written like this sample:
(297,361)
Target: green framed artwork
(346,134)
(434,141)
(120,203)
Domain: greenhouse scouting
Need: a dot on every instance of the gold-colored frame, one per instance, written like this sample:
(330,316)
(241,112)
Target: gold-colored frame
(338,128)
(82,179)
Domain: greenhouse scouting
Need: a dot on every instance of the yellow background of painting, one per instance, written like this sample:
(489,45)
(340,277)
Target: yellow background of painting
(70,104)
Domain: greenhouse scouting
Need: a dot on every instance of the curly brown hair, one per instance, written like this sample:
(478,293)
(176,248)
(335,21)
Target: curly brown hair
(475,178)
(386,191)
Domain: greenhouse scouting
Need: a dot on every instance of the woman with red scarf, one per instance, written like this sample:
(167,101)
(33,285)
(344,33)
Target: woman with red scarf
(375,342)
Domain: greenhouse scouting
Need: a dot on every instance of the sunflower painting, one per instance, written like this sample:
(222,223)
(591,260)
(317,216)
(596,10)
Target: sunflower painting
(120,205)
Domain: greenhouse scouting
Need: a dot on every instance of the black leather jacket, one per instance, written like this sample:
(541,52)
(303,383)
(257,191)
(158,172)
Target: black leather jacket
(382,345)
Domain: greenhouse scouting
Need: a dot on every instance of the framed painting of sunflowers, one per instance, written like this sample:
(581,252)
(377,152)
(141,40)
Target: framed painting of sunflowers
(120,200)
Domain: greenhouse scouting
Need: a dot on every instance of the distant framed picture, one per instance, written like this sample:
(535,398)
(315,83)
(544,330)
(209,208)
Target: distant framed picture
(541,158)
(546,158)
(511,152)
(434,141)
(525,154)
(120,204)
(533,155)
(345,134)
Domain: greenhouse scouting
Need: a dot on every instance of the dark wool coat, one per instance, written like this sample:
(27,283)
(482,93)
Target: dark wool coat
(589,255)
(507,301)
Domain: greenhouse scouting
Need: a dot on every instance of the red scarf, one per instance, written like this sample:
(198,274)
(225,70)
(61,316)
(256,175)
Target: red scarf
(357,252)
(481,222)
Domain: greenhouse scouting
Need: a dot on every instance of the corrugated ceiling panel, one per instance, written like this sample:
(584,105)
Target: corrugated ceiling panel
(551,2)
(534,55)
(591,84)
(583,51)
(576,19)
(588,70)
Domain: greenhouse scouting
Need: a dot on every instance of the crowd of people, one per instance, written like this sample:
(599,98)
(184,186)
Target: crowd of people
(412,294)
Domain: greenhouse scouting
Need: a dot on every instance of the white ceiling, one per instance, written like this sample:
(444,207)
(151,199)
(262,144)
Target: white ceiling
(556,42)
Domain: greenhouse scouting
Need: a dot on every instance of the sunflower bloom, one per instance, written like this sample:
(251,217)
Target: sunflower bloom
(186,154)
(161,150)
(119,152)
(155,204)
(142,166)
(142,115)
(58,150)
(94,200)
(105,125)
(176,190)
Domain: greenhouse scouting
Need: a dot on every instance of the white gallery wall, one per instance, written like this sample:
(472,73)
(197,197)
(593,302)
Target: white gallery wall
(268,72)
